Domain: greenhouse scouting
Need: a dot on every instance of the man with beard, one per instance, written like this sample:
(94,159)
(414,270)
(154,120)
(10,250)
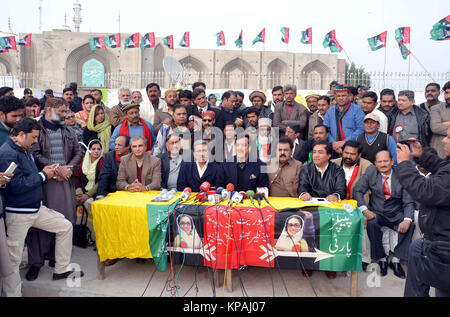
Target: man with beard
(277,97)
(353,164)
(152,103)
(432,92)
(56,145)
(239,105)
(11,111)
(311,99)
(76,99)
(284,182)
(68,96)
(164,115)
(387,101)
(117,114)
(98,96)
(229,112)
(264,142)
(200,105)
(440,121)
(320,133)
(289,111)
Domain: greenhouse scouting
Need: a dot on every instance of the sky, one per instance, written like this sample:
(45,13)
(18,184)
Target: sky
(354,21)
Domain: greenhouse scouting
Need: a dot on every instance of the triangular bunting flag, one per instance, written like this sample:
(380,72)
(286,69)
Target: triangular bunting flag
(403,34)
(168,41)
(285,38)
(220,41)
(238,42)
(113,40)
(306,36)
(25,41)
(261,37)
(148,40)
(441,30)
(331,42)
(378,41)
(184,42)
(132,41)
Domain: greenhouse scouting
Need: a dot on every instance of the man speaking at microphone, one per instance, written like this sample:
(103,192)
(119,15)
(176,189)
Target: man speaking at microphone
(242,172)
(193,174)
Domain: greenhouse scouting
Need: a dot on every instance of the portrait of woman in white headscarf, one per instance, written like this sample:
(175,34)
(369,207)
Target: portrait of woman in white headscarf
(292,238)
(187,235)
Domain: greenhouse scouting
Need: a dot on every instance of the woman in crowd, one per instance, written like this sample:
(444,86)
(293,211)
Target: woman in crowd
(86,177)
(82,116)
(98,127)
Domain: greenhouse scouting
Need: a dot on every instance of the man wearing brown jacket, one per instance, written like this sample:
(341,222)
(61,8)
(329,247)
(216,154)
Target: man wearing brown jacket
(139,171)
(289,111)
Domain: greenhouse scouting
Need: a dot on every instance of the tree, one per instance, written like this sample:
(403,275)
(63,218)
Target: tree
(355,76)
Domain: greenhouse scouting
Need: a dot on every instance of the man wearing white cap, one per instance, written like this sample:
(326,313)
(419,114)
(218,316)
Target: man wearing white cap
(264,141)
(373,140)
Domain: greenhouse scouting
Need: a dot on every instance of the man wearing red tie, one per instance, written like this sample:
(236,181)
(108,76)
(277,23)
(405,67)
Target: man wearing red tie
(390,206)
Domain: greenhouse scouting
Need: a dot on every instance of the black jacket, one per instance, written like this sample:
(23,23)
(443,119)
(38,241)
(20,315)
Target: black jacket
(193,110)
(253,175)
(423,122)
(333,181)
(432,193)
(108,174)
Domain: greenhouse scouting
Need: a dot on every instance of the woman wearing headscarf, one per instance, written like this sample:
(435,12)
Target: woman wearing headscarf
(82,117)
(187,237)
(295,234)
(98,127)
(86,177)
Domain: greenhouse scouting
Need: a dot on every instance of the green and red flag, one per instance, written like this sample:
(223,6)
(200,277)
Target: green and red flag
(220,41)
(261,37)
(97,42)
(378,41)
(402,34)
(148,40)
(185,40)
(441,30)
(112,40)
(331,42)
(306,36)
(238,42)
(404,50)
(25,41)
(132,41)
(285,31)
(8,43)
(168,41)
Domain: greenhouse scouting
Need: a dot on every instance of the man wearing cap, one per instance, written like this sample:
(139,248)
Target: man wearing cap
(311,99)
(200,105)
(330,94)
(361,91)
(289,111)
(117,113)
(264,142)
(212,99)
(323,103)
(369,105)
(258,99)
(48,94)
(27,93)
(164,115)
(132,126)
(373,140)
(407,120)
(345,120)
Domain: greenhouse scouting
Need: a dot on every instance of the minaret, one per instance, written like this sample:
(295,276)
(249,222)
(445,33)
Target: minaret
(77,16)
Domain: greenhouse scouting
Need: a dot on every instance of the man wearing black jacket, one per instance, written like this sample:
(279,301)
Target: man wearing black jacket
(108,174)
(429,257)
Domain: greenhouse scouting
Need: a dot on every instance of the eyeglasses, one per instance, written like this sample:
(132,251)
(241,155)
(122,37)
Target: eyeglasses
(207,120)
(295,225)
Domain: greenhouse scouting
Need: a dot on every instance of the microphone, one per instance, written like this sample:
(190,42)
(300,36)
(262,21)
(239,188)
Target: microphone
(186,193)
(250,194)
(258,196)
(237,198)
(171,193)
(201,196)
(230,188)
(264,191)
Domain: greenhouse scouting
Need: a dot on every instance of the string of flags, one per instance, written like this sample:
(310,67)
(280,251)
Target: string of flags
(440,31)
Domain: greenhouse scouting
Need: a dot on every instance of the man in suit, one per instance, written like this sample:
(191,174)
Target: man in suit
(289,111)
(391,206)
(245,172)
(171,161)
(193,174)
(353,164)
(200,105)
(108,174)
(139,171)
(320,133)
(293,132)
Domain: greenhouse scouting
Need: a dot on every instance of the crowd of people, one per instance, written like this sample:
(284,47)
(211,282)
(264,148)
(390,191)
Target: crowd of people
(351,143)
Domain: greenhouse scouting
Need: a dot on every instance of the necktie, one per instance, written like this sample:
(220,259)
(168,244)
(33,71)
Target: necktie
(386,190)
